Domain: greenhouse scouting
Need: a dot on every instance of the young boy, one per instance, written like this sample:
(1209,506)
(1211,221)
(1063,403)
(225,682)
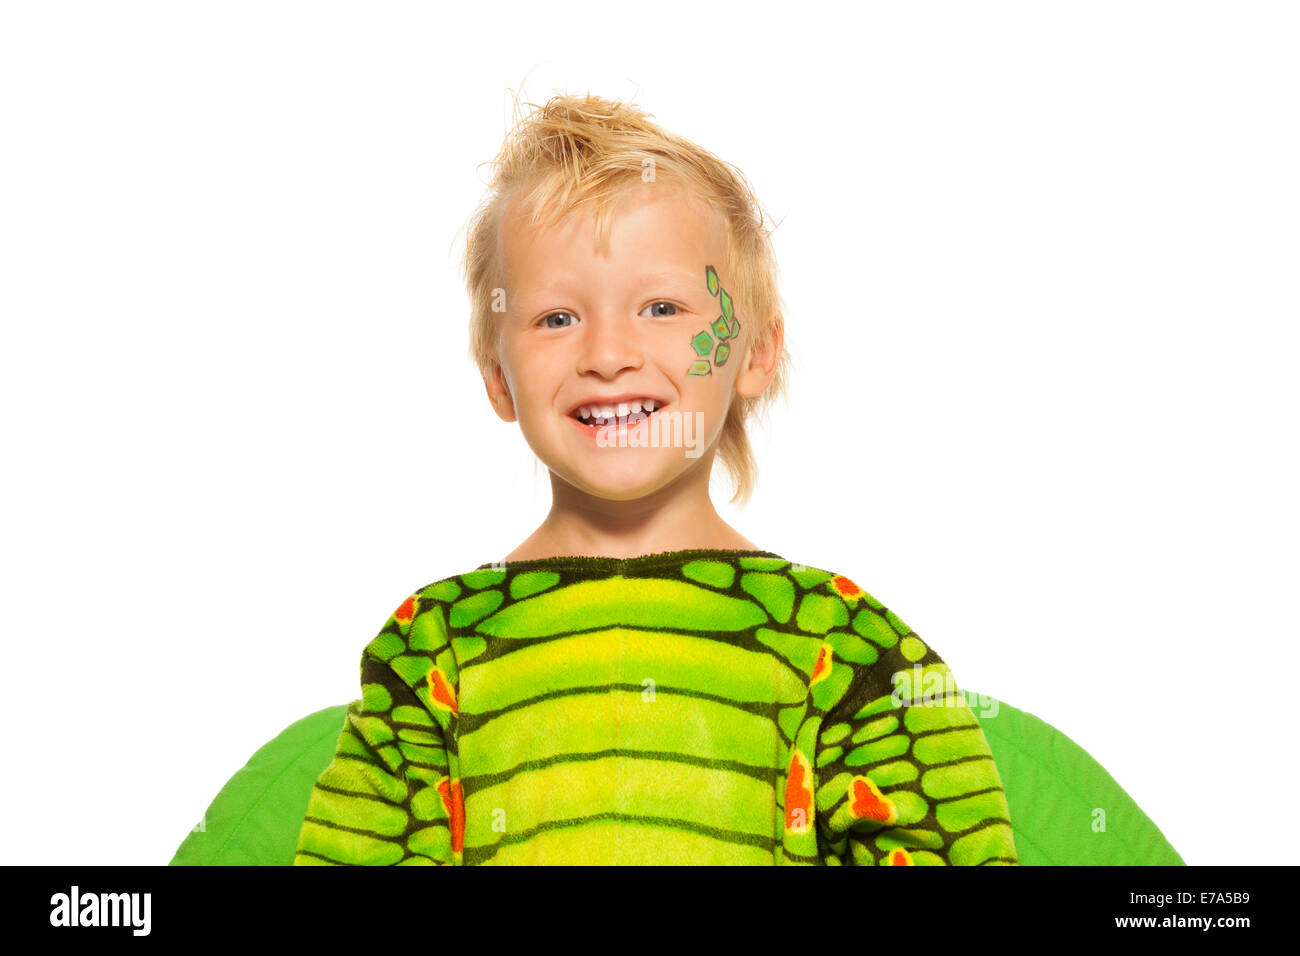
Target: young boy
(637,682)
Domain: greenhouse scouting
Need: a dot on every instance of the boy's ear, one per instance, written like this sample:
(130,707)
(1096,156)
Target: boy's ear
(761,358)
(499,393)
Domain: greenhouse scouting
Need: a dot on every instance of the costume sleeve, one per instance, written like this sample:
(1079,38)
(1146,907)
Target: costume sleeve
(390,796)
(904,773)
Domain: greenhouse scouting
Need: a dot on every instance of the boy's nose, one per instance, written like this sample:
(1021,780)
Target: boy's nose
(609,346)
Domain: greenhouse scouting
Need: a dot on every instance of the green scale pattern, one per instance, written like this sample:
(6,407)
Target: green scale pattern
(654,709)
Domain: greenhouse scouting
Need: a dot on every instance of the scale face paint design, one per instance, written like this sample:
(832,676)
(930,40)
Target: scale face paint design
(724,327)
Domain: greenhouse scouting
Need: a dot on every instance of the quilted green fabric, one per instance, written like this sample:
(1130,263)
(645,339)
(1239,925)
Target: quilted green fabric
(255,819)
(1053,789)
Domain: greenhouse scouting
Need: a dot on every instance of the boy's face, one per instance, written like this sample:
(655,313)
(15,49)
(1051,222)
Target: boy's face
(582,327)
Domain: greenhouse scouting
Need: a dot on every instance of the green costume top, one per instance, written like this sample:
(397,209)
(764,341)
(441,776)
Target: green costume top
(702,706)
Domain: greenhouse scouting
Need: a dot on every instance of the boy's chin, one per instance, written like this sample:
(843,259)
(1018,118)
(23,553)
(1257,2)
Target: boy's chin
(636,476)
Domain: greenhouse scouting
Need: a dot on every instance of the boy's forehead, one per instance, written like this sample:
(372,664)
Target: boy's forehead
(664,222)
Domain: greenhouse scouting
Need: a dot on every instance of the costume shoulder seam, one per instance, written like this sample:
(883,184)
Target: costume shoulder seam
(455,584)
(396,627)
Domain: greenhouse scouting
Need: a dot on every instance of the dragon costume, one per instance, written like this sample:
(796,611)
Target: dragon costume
(702,706)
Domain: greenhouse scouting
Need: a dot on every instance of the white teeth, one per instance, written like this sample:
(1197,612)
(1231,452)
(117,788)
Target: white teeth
(621,410)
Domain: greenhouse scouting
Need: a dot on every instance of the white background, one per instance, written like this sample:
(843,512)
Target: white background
(1040,268)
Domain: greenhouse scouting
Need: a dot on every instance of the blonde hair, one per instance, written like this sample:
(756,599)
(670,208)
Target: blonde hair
(576,151)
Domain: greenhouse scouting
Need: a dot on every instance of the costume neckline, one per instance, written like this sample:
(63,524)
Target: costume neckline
(602,562)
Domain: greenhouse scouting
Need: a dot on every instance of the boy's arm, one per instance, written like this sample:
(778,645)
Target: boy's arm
(387,797)
(904,773)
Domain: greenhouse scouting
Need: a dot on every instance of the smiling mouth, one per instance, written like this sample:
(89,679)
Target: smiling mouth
(632,418)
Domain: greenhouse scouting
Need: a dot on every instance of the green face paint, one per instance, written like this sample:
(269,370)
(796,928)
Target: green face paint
(725,327)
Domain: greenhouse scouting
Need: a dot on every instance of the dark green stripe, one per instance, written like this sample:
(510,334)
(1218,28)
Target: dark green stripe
(500,647)
(478,855)
(469,723)
(760,773)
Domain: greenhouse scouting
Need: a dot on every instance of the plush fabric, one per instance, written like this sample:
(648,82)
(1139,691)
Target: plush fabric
(1052,786)
(702,706)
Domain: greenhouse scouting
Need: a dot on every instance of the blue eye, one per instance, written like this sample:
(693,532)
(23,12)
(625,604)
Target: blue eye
(556,315)
(660,315)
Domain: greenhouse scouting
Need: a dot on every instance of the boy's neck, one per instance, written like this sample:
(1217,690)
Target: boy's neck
(673,519)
